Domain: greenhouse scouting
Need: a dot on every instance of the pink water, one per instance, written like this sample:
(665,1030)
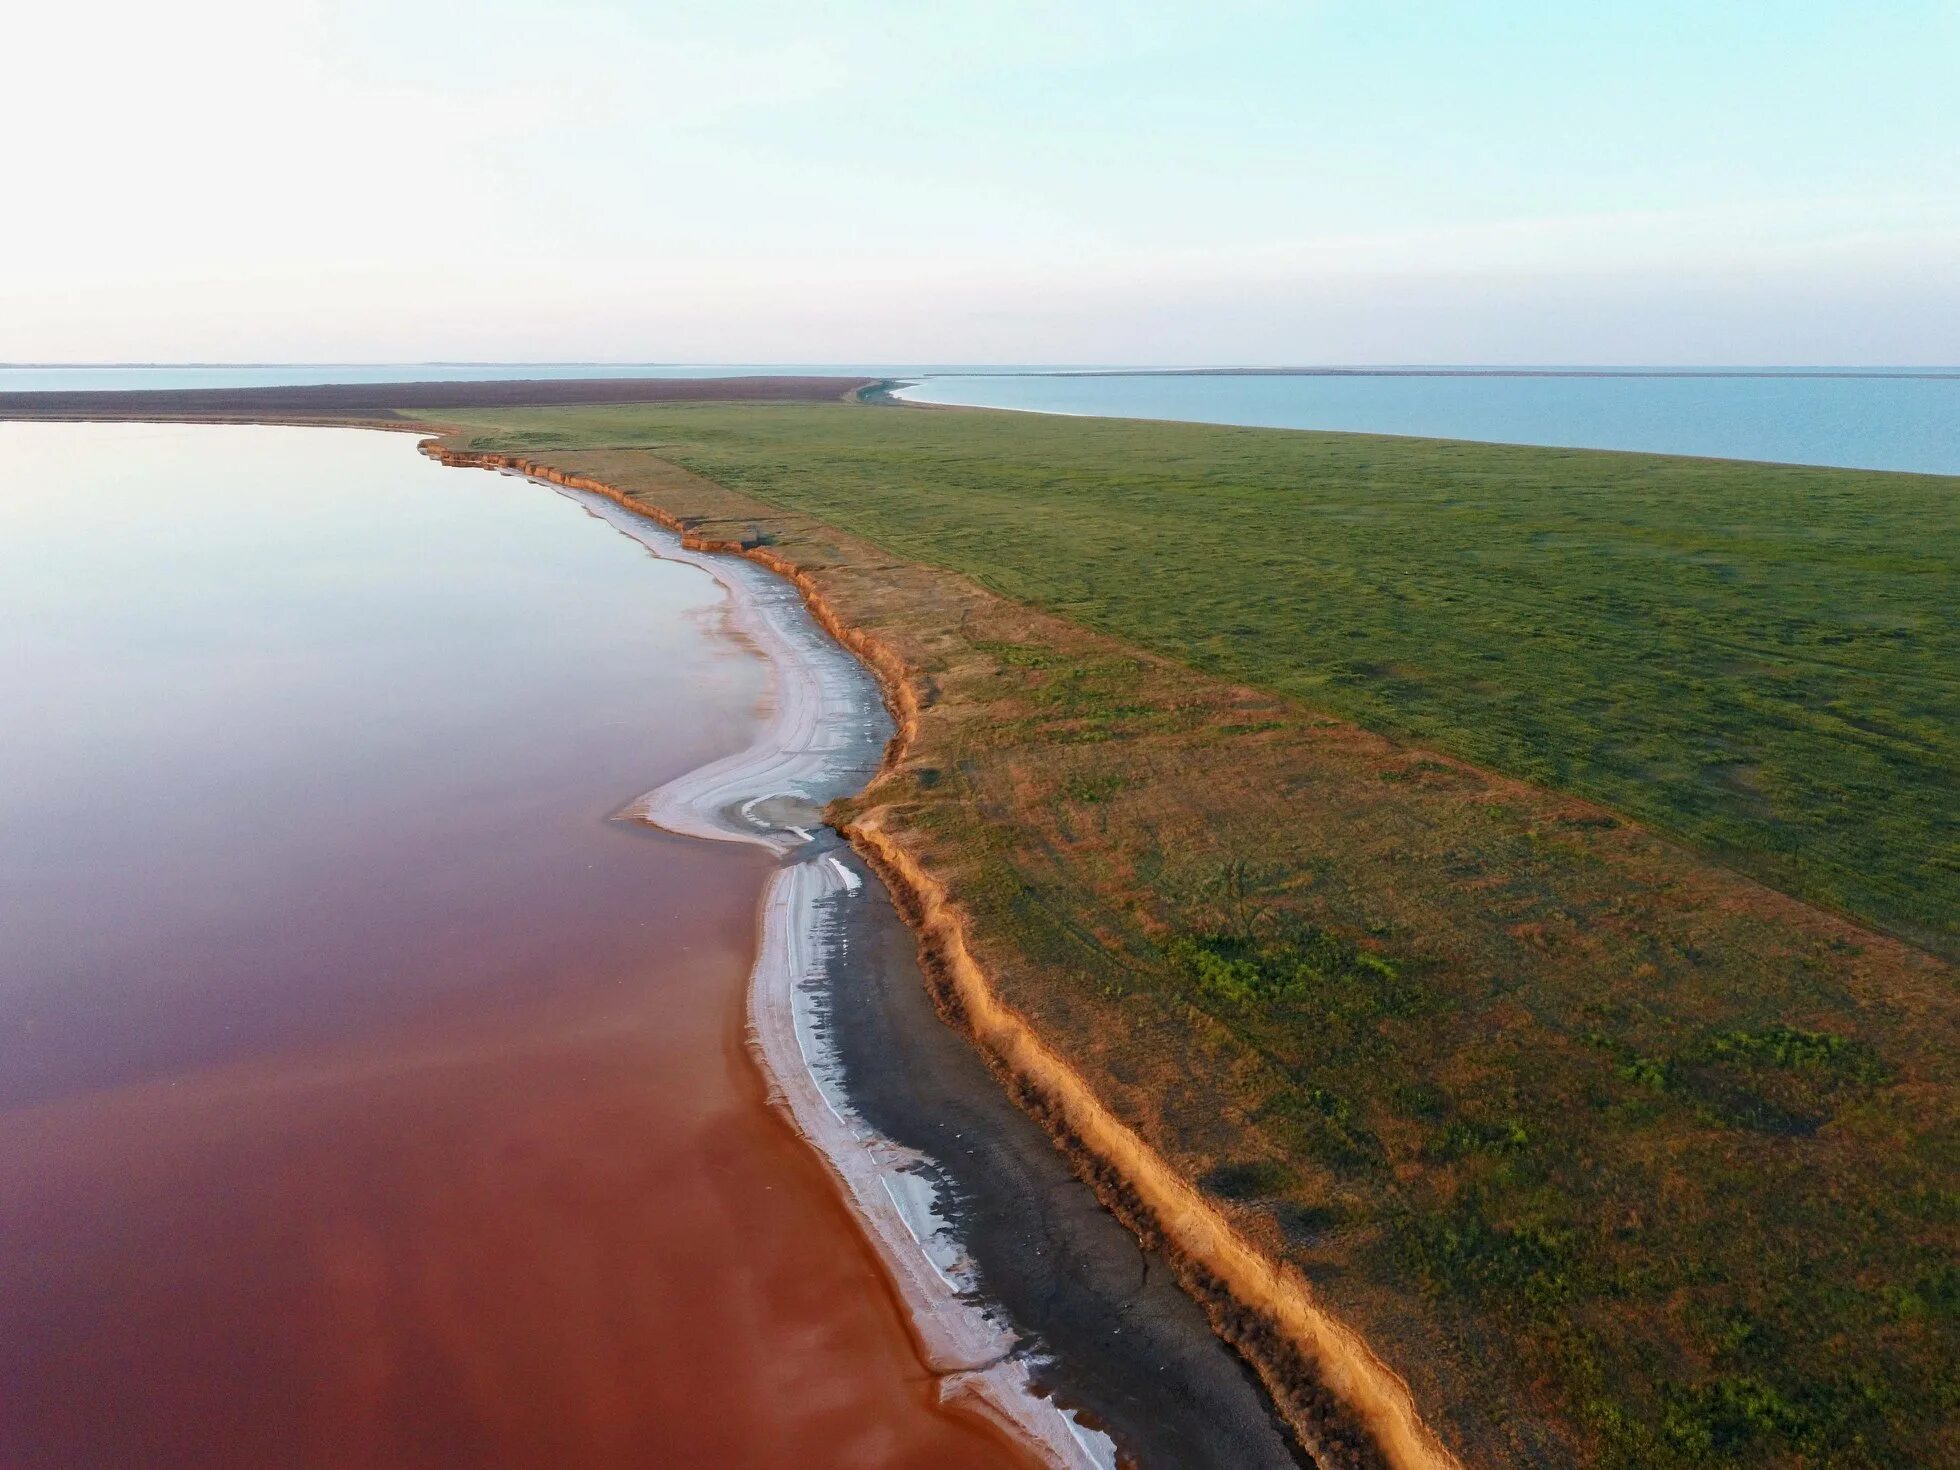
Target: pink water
(367,1097)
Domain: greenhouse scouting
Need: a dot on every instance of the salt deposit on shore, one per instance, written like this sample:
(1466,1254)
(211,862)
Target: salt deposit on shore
(822,738)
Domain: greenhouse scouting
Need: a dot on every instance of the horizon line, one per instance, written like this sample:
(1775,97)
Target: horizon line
(1036,369)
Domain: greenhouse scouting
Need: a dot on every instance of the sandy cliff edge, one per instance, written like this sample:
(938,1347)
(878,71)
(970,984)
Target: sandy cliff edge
(1347,1407)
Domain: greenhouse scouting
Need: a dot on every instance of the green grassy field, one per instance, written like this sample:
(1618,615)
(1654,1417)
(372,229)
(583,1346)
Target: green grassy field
(1621,1159)
(1761,660)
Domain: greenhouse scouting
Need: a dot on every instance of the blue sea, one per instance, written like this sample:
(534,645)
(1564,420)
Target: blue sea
(1858,419)
(1866,418)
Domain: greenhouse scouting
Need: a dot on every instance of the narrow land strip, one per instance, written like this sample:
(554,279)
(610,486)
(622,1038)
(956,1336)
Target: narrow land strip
(1348,1409)
(1117,1363)
(1607,1151)
(363,402)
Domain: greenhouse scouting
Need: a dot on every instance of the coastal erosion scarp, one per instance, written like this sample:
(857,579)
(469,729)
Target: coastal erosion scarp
(824,736)
(1347,1407)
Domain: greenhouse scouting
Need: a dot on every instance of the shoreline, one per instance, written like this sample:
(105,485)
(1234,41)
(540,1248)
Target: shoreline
(446,1161)
(898,392)
(894,396)
(822,739)
(1343,1403)
(1022,1288)
(1142,1378)
(369,401)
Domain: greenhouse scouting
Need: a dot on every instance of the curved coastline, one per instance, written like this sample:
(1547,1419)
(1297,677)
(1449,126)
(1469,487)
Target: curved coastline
(824,737)
(1345,1405)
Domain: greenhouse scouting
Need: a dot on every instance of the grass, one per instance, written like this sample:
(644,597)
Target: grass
(1760,660)
(1618,1157)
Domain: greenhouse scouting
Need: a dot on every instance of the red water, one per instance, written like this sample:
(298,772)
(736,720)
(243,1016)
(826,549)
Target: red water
(369,1097)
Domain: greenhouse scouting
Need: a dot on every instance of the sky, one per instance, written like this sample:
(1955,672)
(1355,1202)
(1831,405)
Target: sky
(1232,181)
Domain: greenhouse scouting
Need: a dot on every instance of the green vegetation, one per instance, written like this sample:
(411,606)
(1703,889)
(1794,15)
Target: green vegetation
(1622,1159)
(1307,969)
(1761,660)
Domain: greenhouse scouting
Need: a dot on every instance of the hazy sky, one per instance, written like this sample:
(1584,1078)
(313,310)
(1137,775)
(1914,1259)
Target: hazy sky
(826,180)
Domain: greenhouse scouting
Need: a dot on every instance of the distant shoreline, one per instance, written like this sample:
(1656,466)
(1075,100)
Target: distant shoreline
(708,370)
(1883,374)
(379,400)
(1892,421)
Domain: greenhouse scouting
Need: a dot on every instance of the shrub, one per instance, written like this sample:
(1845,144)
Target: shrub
(1250,1179)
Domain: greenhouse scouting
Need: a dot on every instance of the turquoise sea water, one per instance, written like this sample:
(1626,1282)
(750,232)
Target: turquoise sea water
(1867,418)
(1858,420)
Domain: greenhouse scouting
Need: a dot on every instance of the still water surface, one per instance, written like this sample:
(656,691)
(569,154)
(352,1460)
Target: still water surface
(367,1096)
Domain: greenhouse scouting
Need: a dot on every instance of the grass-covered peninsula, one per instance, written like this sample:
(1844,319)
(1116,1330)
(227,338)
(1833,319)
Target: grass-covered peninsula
(1761,660)
(1368,821)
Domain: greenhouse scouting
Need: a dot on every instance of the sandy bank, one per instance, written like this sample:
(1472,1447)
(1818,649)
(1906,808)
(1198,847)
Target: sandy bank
(823,737)
(1346,1406)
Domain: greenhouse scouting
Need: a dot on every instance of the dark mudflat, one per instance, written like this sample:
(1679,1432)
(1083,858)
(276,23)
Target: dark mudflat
(383,400)
(1130,1349)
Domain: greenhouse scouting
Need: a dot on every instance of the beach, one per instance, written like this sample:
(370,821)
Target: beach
(1004,1259)
(1339,1401)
